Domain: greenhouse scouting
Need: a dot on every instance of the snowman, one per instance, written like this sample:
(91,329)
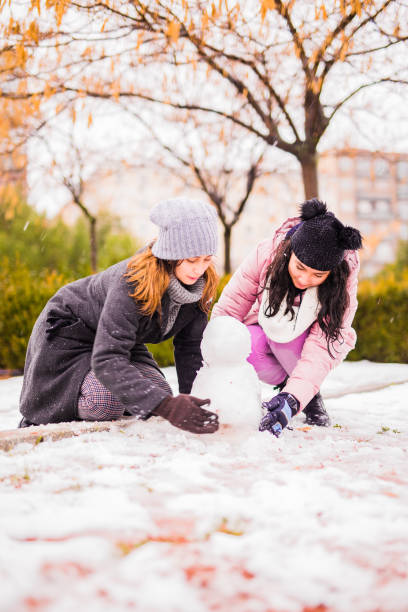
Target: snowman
(226,376)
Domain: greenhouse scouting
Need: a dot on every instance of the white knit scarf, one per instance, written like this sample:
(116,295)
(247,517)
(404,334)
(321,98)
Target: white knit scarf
(280,327)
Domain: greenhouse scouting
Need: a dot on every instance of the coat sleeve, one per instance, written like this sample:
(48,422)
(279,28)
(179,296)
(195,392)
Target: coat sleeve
(187,351)
(315,361)
(241,291)
(116,335)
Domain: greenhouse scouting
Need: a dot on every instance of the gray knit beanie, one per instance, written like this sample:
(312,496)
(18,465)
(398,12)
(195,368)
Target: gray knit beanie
(188,228)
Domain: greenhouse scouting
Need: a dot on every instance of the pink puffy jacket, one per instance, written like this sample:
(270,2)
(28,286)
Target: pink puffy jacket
(241,299)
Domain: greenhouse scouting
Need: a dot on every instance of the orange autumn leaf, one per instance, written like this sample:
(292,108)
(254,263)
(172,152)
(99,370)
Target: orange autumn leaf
(173,31)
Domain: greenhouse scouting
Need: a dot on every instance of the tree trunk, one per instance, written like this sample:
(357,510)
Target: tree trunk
(227,249)
(93,244)
(309,175)
(92,229)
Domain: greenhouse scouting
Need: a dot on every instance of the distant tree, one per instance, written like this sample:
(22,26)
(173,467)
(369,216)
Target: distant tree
(282,70)
(32,239)
(221,159)
(67,167)
(67,156)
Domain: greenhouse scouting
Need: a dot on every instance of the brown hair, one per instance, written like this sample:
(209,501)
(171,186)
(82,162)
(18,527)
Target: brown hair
(150,277)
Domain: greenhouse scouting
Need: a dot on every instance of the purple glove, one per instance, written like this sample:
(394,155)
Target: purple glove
(280,409)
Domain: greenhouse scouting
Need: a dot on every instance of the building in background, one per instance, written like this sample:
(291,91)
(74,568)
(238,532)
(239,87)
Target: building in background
(370,191)
(365,189)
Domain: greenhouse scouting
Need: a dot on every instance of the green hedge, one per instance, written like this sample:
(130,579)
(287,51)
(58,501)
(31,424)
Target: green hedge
(23,294)
(381,320)
(163,353)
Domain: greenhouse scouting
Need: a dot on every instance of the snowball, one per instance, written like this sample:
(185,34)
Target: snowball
(225,340)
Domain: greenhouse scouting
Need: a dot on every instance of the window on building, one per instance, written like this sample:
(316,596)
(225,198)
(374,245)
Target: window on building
(381,168)
(345,163)
(347,205)
(382,207)
(402,191)
(374,208)
(363,166)
(346,184)
(364,208)
(403,209)
(366,227)
(369,268)
(385,252)
(402,170)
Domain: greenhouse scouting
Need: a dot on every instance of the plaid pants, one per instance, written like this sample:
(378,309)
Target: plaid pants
(96,402)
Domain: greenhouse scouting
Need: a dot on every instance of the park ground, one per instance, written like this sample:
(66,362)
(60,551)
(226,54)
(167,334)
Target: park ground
(150,518)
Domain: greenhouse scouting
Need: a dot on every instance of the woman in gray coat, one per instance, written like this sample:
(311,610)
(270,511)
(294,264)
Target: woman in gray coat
(87,359)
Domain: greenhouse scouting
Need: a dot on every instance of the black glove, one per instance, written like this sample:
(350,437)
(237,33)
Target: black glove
(184,411)
(280,409)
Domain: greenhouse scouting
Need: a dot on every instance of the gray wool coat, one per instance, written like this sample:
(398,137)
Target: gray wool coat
(93,323)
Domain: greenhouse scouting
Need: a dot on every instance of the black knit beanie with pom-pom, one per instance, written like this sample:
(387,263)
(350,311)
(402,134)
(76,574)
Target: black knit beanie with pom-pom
(320,240)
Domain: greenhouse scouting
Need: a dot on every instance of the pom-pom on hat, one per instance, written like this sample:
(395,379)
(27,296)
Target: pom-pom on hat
(320,240)
(188,228)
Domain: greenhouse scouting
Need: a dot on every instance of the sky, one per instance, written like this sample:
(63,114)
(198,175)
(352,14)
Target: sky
(150,518)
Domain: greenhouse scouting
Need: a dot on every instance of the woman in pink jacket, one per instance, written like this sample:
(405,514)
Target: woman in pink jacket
(297,294)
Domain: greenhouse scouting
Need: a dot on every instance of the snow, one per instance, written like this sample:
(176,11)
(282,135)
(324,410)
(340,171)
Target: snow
(152,518)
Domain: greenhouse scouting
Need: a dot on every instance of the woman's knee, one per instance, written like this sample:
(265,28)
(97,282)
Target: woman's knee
(266,365)
(89,410)
(259,341)
(96,402)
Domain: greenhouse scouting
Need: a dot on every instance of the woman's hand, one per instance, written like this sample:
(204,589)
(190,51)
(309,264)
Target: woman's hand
(184,411)
(280,409)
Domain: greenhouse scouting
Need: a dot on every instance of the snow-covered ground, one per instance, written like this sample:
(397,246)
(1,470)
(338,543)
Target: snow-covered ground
(154,519)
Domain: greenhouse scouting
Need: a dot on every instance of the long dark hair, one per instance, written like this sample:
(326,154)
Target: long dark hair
(332,294)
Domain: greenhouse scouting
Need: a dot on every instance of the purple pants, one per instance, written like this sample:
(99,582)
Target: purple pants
(273,361)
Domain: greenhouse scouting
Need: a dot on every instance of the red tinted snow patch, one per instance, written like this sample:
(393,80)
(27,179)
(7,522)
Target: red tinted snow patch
(173,529)
(36,603)
(348,493)
(243,601)
(49,538)
(200,574)
(170,538)
(319,608)
(69,536)
(65,568)
(209,581)
(393,569)
(246,574)
(392,477)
